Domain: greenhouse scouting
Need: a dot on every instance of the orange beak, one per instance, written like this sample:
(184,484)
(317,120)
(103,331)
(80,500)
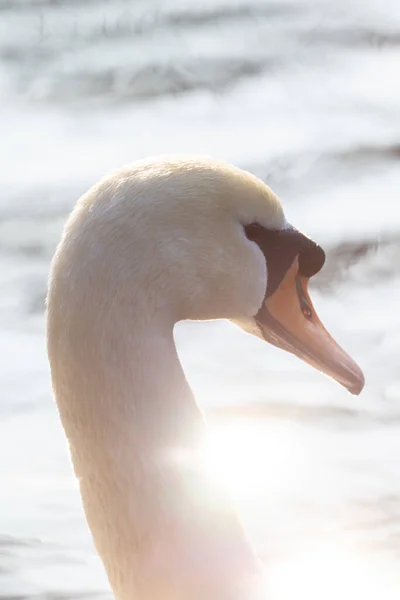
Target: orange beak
(288,320)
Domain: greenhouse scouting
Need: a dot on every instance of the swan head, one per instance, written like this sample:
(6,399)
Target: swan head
(194,238)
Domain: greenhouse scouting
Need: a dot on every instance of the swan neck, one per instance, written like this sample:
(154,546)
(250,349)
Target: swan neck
(161,527)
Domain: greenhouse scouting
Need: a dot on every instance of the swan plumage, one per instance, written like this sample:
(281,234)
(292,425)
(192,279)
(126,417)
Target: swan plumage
(157,242)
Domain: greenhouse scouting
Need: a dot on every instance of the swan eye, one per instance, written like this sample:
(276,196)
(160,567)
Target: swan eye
(280,247)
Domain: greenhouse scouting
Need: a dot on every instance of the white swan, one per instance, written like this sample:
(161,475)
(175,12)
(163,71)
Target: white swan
(157,242)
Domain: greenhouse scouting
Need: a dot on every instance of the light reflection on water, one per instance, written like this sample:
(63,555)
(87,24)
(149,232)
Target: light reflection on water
(333,571)
(251,459)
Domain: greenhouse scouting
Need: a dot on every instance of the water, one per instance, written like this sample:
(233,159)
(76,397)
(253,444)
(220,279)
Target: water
(306,95)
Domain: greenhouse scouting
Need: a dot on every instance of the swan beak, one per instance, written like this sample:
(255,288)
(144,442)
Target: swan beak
(287,319)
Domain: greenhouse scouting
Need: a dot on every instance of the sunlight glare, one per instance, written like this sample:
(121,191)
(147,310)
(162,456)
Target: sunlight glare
(332,571)
(248,457)
(255,459)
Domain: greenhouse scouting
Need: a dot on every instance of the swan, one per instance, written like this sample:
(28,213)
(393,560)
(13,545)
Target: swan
(156,242)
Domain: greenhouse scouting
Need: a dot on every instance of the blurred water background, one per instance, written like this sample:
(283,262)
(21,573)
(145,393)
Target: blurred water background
(306,94)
